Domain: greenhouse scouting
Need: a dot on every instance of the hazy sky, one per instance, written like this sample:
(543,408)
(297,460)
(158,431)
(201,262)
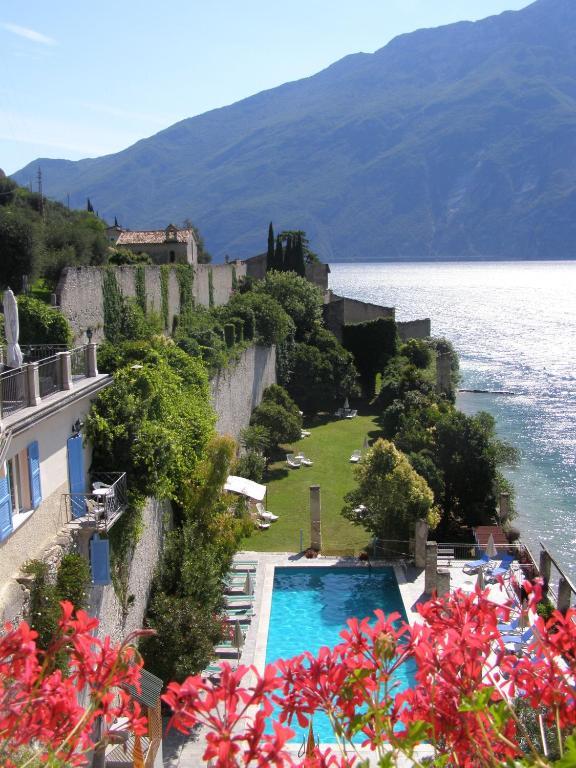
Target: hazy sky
(82,79)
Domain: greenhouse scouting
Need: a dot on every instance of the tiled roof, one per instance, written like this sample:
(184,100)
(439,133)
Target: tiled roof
(152,236)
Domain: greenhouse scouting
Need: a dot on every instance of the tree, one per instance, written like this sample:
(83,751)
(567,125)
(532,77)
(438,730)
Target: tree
(299,298)
(279,255)
(322,372)
(270,263)
(299,266)
(390,495)
(417,352)
(42,324)
(282,425)
(89,206)
(273,324)
(18,246)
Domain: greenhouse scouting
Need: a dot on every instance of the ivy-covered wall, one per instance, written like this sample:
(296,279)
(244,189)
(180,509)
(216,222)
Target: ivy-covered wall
(81,290)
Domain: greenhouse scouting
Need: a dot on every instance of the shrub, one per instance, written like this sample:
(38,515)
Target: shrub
(418,352)
(41,324)
(283,426)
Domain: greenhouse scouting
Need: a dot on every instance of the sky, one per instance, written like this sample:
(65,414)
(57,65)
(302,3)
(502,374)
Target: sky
(87,79)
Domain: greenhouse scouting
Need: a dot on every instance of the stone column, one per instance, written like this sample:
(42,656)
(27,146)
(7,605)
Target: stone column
(544,568)
(420,540)
(315,518)
(443,372)
(33,384)
(91,363)
(564,594)
(65,370)
(504,511)
(443,582)
(431,567)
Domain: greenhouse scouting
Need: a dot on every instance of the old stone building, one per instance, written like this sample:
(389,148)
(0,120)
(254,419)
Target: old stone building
(164,246)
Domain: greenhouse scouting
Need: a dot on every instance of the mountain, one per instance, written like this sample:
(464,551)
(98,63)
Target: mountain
(455,142)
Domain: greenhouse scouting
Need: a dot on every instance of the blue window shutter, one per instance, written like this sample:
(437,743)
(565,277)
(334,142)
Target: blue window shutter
(76,479)
(100,560)
(5,508)
(34,472)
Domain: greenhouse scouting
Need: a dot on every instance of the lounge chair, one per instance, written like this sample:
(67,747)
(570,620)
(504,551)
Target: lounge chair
(352,412)
(510,627)
(306,462)
(239,614)
(263,526)
(356,456)
(305,433)
(502,568)
(516,640)
(292,461)
(235,601)
(474,565)
(244,565)
(267,516)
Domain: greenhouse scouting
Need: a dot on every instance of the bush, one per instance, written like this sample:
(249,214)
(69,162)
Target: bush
(41,324)
(418,353)
(282,425)
(73,580)
(252,465)
(273,324)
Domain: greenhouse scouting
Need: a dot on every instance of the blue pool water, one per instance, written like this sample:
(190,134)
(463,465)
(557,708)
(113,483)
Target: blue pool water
(310,607)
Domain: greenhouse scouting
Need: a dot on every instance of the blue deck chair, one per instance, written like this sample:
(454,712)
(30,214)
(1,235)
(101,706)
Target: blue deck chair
(518,640)
(511,626)
(502,568)
(475,565)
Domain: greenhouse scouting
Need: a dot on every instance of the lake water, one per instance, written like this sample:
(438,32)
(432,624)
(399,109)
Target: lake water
(514,327)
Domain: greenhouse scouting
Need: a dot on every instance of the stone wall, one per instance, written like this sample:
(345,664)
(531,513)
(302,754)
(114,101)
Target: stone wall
(340,311)
(237,390)
(414,329)
(118,618)
(80,292)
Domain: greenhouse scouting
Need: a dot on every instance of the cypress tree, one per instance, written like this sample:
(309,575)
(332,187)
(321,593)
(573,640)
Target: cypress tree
(270,263)
(279,255)
(298,260)
(89,206)
(290,254)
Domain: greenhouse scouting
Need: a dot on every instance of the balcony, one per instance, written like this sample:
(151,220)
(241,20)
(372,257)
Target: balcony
(102,507)
(47,371)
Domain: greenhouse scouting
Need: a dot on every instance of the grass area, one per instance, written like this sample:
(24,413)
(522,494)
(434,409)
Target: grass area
(329,446)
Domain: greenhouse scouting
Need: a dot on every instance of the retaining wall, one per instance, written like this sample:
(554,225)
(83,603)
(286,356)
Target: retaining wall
(237,390)
(80,292)
(414,329)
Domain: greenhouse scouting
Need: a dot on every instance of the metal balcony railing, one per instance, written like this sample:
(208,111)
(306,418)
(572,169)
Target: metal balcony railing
(13,391)
(103,506)
(48,376)
(41,378)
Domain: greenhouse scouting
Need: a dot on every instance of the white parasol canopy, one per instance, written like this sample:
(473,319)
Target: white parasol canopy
(346,405)
(491,550)
(245,487)
(238,639)
(14,358)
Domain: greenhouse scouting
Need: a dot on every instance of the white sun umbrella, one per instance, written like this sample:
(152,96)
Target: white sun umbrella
(248,586)
(491,550)
(480,579)
(366,443)
(346,405)
(238,639)
(14,357)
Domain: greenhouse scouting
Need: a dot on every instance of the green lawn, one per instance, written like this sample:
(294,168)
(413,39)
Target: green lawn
(329,446)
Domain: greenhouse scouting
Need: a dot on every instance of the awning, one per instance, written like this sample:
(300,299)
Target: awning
(245,487)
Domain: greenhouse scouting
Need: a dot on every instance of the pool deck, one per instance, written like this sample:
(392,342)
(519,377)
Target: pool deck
(181,752)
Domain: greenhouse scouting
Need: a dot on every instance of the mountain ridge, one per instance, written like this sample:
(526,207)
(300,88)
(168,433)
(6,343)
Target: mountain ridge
(451,142)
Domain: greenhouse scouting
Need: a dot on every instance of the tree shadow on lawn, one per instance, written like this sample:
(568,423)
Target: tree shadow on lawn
(278,473)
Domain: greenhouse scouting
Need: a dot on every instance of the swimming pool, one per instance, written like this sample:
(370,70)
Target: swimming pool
(310,606)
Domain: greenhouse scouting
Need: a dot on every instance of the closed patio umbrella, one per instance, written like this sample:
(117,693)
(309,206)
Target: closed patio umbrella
(346,405)
(491,550)
(14,357)
(248,586)
(238,639)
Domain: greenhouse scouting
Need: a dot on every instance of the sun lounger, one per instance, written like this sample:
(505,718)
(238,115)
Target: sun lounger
(502,568)
(235,600)
(351,413)
(474,565)
(244,565)
(267,516)
(238,614)
(292,461)
(356,456)
(516,640)
(263,526)
(306,462)
(510,627)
